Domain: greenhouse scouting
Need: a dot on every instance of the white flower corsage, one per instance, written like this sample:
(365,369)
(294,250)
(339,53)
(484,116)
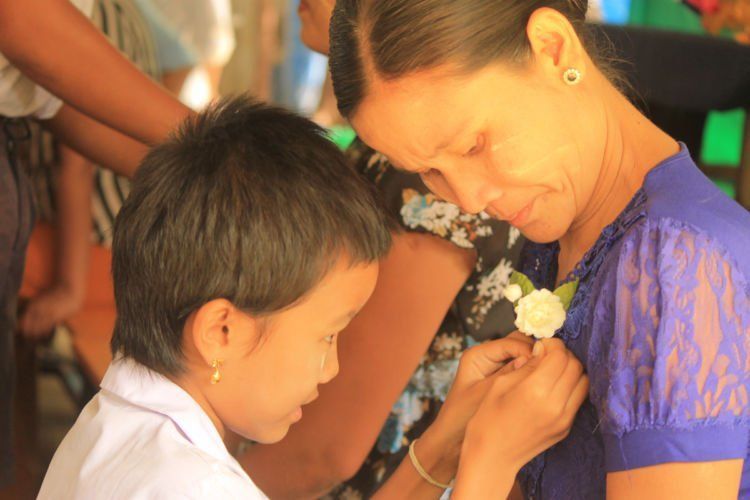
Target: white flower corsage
(539,313)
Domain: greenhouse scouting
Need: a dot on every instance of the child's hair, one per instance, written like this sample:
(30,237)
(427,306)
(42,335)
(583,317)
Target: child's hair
(245,202)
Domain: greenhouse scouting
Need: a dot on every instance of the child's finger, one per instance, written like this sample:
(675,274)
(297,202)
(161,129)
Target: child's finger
(577,397)
(485,359)
(568,379)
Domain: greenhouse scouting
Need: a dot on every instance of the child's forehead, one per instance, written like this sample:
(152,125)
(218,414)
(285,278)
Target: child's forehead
(337,298)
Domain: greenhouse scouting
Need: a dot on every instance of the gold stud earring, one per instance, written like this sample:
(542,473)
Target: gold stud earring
(216,375)
(572,76)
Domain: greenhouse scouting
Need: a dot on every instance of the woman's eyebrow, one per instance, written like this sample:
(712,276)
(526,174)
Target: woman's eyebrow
(449,138)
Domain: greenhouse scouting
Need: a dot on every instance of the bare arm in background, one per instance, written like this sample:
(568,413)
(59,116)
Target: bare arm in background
(69,57)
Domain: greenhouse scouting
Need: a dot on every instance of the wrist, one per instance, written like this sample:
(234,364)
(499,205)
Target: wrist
(483,472)
(438,453)
(483,456)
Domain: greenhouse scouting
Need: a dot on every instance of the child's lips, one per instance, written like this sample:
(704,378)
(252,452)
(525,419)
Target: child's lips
(297,414)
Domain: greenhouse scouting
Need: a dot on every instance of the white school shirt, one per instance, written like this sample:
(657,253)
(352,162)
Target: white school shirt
(144,437)
(20,96)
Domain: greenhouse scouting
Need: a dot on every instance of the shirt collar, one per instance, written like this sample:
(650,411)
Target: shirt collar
(145,388)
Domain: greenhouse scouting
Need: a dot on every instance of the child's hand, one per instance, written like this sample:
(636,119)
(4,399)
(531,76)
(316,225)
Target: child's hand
(47,310)
(523,338)
(528,410)
(476,372)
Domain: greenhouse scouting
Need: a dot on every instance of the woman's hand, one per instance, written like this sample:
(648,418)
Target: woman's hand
(524,412)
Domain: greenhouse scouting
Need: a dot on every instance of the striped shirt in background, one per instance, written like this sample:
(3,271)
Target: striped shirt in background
(122,22)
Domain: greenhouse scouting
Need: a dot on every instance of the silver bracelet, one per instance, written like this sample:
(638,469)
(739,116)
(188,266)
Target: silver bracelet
(425,475)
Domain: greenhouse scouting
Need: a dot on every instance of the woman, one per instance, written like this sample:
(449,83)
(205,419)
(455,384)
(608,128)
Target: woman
(501,107)
(439,292)
(213,339)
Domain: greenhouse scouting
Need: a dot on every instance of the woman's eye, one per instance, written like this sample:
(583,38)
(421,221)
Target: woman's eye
(477,147)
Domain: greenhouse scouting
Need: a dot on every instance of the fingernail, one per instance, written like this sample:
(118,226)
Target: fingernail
(538,349)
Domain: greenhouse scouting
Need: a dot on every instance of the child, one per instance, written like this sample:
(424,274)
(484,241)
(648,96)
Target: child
(246,245)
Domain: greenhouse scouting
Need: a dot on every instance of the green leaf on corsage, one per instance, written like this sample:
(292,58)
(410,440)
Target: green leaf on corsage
(566,293)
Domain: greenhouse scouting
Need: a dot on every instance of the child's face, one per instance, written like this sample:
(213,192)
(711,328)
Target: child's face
(264,387)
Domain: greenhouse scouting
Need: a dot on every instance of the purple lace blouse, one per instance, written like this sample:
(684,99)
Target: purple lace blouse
(661,321)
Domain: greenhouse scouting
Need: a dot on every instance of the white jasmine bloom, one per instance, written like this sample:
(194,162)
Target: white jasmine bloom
(540,314)
(513,292)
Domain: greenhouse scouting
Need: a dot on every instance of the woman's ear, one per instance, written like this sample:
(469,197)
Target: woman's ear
(554,43)
(219,330)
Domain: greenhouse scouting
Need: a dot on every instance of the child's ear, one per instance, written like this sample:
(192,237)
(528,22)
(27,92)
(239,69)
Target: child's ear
(218,328)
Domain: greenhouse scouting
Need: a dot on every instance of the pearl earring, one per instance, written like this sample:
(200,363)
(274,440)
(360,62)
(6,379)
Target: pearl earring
(572,76)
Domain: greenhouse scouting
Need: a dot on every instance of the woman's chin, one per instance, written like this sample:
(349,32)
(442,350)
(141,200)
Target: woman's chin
(540,232)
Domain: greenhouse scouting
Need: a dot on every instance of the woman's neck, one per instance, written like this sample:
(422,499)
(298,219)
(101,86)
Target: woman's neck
(633,147)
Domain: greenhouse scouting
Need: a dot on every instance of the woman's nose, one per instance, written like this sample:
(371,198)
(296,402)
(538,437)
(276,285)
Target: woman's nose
(471,192)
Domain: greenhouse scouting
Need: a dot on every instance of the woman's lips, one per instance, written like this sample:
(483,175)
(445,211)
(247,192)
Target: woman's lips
(519,219)
(516,219)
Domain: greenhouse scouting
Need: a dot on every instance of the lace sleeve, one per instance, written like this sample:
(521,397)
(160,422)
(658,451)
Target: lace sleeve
(674,385)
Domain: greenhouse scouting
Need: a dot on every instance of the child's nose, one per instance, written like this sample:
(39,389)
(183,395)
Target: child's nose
(331,367)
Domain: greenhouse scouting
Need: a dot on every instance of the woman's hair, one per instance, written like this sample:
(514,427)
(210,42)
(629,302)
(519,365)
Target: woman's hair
(245,202)
(394,38)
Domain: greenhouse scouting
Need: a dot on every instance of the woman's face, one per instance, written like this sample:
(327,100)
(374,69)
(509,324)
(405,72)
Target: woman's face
(515,142)
(269,377)
(315,16)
